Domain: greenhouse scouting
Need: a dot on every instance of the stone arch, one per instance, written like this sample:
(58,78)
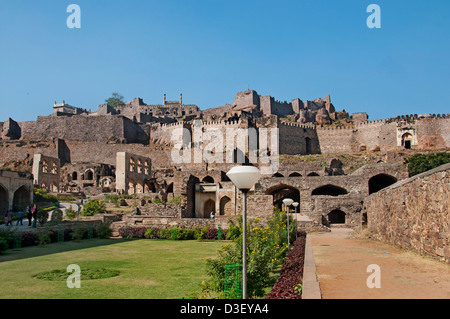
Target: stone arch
(149,187)
(336,216)
(89,175)
(281,191)
(44,166)
(277,175)
(208,207)
(380,181)
(147,167)
(140,166)
(131,187)
(139,187)
(21,198)
(208,179)
(313,174)
(54,170)
(225,206)
(295,174)
(132,167)
(329,190)
(4,199)
(74,176)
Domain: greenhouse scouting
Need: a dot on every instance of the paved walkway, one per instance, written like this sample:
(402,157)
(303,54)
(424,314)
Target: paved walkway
(341,262)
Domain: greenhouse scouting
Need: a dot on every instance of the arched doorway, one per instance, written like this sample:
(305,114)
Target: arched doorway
(282,191)
(407,141)
(74,176)
(208,207)
(336,217)
(4,201)
(225,206)
(380,181)
(21,198)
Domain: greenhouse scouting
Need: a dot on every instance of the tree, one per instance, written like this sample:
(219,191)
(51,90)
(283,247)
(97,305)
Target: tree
(115,100)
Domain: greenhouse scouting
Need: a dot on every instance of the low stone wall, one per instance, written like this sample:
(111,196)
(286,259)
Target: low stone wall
(414,214)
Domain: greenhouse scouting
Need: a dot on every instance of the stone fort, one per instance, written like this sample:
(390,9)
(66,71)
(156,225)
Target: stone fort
(127,150)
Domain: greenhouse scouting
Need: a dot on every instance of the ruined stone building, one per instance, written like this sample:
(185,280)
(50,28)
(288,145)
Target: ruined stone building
(130,150)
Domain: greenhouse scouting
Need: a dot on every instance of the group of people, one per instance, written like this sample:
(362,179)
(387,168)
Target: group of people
(30,213)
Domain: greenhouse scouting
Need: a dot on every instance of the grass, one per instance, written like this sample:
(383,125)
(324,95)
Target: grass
(149,269)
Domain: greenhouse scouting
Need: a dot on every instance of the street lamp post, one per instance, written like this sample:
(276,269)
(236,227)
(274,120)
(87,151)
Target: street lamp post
(244,178)
(296,218)
(288,202)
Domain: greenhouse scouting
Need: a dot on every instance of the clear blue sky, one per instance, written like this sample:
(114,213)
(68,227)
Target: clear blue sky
(210,49)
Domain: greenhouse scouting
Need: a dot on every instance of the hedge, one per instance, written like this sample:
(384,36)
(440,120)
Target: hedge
(173,233)
(287,285)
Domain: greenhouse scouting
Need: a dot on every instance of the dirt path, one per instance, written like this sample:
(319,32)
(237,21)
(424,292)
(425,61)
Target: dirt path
(342,262)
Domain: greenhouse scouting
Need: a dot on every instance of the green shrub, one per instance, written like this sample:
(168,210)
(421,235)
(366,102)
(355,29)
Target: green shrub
(71,214)
(42,195)
(57,216)
(104,231)
(175,200)
(42,216)
(420,163)
(3,245)
(266,249)
(157,201)
(43,236)
(94,207)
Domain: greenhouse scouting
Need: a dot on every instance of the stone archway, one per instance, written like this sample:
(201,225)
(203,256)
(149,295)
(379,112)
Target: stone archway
(330,190)
(4,200)
(380,181)
(21,198)
(225,206)
(281,191)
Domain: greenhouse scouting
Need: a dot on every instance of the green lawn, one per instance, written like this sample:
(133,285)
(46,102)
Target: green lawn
(150,269)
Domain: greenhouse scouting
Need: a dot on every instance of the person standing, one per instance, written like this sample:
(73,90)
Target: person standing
(34,214)
(29,215)
(20,218)
(9,217)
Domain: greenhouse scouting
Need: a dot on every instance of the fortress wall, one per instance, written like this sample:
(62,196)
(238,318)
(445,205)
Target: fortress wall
(433,132)
(337,140)
(414,213)
(293,139)
(376,135)
(102,128)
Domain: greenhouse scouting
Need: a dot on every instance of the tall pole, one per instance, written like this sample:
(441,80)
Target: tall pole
(244,243)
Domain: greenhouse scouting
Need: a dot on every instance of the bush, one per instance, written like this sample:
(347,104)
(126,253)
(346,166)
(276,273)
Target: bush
(288,283)
(420,163)
(175,200)
(43,236)
(266,249)
(3,245)
(71,214)
(94,207)
(132,232)
(104,231)
(42,196)
(57,216)
(42,216)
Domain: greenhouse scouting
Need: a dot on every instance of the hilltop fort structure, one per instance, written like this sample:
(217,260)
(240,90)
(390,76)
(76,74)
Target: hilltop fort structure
(129,150)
